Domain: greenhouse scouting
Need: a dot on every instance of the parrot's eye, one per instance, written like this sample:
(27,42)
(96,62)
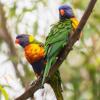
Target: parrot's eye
(62,12)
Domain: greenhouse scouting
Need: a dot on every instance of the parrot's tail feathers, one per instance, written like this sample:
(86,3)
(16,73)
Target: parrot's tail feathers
(55,82)
(43,80)
(46,71)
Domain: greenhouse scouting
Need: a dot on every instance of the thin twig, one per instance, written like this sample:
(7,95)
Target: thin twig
(63,54)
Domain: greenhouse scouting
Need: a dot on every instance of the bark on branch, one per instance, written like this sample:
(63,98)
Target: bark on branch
(63,54)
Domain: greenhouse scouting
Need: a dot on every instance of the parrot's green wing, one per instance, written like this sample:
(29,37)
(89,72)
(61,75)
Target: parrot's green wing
(58,32)
(55,41)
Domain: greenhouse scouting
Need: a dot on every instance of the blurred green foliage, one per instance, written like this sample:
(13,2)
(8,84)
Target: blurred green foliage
(81,70)
(3,92)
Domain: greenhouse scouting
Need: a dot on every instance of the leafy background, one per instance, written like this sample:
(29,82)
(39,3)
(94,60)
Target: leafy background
(80,71)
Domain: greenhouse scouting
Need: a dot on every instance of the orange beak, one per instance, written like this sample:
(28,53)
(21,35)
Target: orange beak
(62,12)
(17,41)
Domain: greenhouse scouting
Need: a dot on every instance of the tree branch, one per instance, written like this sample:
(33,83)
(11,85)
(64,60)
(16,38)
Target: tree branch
(63,54)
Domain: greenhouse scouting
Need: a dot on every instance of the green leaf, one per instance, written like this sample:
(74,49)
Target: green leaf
(5,94)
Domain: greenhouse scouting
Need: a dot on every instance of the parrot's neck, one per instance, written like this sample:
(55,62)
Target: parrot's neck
(63,18)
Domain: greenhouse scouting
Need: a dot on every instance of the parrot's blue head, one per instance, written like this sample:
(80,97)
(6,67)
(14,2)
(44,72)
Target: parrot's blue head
(65,12)
(24,39)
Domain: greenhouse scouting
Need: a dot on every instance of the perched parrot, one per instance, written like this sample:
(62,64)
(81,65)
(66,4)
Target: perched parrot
(58,36)
(35,54)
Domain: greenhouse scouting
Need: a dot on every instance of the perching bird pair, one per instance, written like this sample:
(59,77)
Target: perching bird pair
(44,57)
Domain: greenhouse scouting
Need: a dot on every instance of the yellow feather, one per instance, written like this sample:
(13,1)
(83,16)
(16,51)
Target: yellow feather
(31,38)
(75,23)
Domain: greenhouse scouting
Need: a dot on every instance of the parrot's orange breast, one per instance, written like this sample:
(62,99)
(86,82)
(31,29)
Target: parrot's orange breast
(34,52)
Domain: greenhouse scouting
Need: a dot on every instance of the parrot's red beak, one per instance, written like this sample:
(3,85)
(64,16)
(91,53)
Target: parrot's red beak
(17,41)
(62,12)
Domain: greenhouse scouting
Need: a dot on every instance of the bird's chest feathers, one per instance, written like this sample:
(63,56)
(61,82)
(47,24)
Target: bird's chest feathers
(34,52)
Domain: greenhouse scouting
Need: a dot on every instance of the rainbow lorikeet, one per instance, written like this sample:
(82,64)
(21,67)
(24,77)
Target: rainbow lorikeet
(58,36)
(35,54)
